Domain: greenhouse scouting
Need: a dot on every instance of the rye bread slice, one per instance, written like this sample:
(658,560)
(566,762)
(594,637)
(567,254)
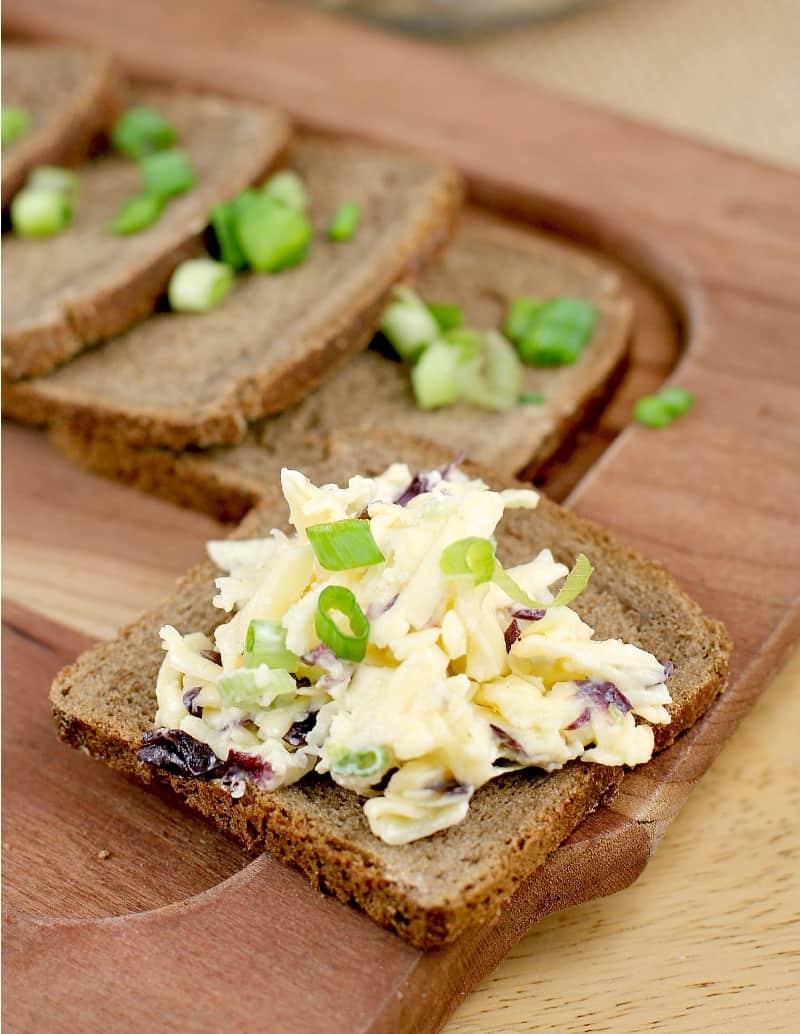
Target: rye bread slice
(72,290)
(179,380)
(429,891)
(72,96)
(486,265)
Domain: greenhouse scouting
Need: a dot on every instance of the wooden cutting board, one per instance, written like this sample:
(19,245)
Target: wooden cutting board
(159,926)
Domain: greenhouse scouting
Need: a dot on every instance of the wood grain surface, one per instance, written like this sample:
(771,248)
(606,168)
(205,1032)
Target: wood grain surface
(714,496)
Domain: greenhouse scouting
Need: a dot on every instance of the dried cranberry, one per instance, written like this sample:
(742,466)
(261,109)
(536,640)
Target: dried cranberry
(508,741)
(584,717)
(527,613)
(178,752)
(250,767)
(195,710)
(449,786)
(512,634)
(297,733)
(603,694)
(212,655)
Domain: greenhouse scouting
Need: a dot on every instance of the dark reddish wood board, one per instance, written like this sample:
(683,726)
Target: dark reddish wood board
(714,497)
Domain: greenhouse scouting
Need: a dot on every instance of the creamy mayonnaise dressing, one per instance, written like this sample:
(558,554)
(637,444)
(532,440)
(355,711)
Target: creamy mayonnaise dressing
(449,694)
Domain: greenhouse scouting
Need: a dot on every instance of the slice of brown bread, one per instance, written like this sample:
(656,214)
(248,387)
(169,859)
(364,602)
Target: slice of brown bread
(72,97)
(487,264)
(64,293)
(177,380)
(431,890)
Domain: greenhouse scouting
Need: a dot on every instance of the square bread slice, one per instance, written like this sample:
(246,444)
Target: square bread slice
(431,890)
(72,96)
(178,380)
(486,265)
(85,284)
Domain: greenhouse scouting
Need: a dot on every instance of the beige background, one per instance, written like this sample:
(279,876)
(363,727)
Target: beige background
(708,940)
(723,70)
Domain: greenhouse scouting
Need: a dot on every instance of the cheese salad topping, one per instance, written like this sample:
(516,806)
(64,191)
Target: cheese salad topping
(407,684)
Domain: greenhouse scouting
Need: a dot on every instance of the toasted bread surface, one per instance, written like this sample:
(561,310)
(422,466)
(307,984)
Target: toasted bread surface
(431,890)
(486,265)
(72,97)
(179,380)
(67,292)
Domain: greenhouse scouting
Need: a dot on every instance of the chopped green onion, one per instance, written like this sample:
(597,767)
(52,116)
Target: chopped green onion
(677,400)
(492,380)
(476,557)
(223,222)
(40,213)
(272,236)
(344,545)
(447,316)
(361,764)
(137,213)
(531,398)
(141,131)
(434,379)
(263,686)
(407,324)
(351,647)
(167,173)
(468,342)
(287,187)
(198,285)
(615,713)
(520,317)
(558,332)
(472,556)
(345,221)
(652,411)
(15,122)
(53,177)
(265,643)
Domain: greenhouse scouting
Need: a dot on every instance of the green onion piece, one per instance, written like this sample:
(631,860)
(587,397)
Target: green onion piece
(40,213)
(53,177)
(434,379)
(198,285)
(287,187)
(272,236)
(476,557)
(263,686)
(344,545)
(677,400)
(167,173)
(520,317)
(361,764)
(223,222)
(447,316)
(531,398)
(492,380)
(351,647)
(407,324)
(141,131)
(15,122)
(615,713)
(344,222)
(652,411)
(468,342)
(558,333)
(137,213)
(472,556)
(265,643)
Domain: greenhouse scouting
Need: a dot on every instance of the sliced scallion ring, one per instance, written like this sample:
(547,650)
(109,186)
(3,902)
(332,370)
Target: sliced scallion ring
(434,378)
(141,131)
(168,173)
(361,764)
(493,379)
(340,599)
(198,285)
(407,324)
(40,213)
(265,643)
(55,178)
(137,213)
(287,187)
(344,545)
(15,122)
(247,686)
(272,236)
(345,221)
(447,316)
